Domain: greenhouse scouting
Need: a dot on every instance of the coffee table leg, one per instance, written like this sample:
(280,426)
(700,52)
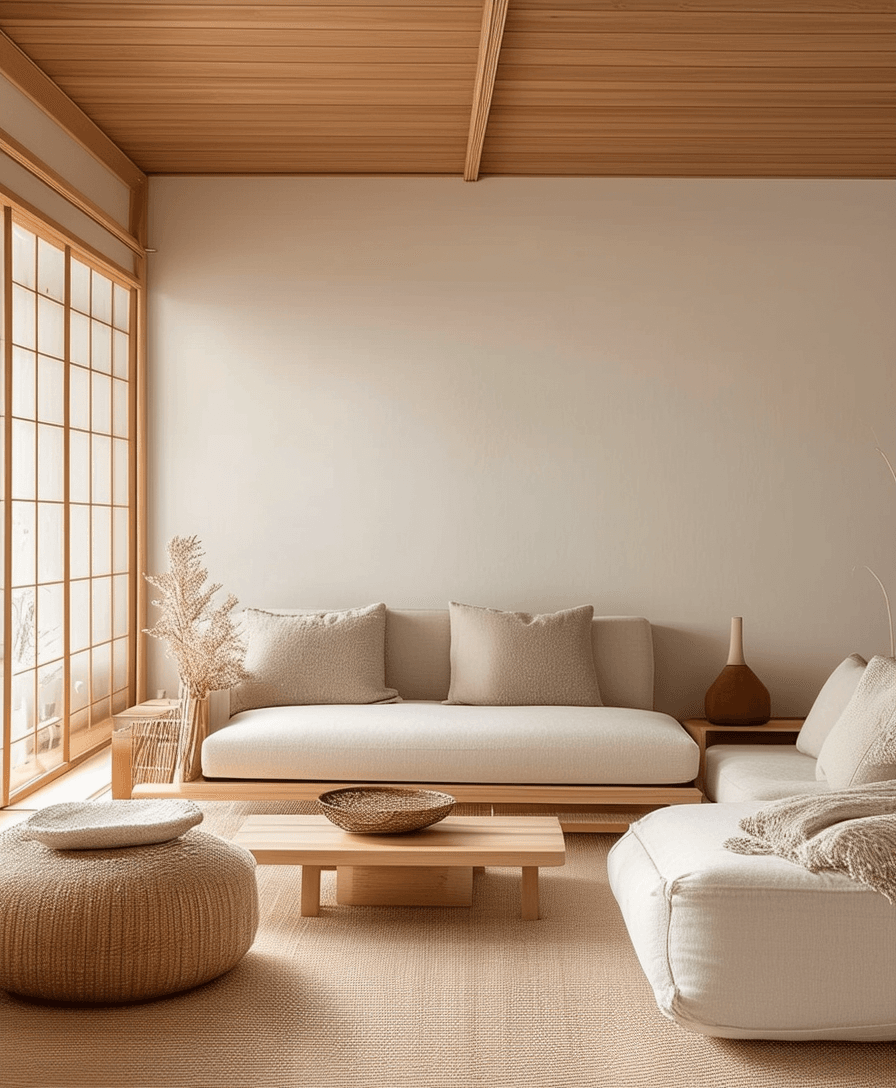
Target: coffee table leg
(310,891)
(530,893)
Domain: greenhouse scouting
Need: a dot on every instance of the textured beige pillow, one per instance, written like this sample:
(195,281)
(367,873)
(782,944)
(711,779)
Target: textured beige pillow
(861,747)
(832,700)
(516,659)
(314,657)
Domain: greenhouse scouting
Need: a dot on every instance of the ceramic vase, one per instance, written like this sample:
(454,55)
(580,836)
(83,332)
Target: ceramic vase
(737,696)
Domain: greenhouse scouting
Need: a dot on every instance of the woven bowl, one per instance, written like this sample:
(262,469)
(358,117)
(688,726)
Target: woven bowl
(384,810)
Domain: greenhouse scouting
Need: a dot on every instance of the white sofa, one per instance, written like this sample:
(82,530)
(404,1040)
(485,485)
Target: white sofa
(753,945)
(621,753)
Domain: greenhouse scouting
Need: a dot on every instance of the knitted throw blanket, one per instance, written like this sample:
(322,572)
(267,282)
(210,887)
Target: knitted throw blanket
(850,831)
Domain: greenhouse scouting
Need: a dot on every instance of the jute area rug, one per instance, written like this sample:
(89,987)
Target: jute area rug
(371,997)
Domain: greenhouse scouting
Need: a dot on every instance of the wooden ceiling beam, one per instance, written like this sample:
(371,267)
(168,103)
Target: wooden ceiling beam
(494,13)
(24,74)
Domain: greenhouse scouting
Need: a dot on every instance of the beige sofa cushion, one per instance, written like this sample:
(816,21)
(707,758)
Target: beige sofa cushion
(517,659)
(861,747)
(314,657)
(830,704)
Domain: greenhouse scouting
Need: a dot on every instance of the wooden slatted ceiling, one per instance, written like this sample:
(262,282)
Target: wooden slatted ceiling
(715,88)
(592,87)
(278,87)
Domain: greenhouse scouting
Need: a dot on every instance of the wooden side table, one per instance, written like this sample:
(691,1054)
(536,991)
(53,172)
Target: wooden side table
(774,731)
(151,709)
(152,731)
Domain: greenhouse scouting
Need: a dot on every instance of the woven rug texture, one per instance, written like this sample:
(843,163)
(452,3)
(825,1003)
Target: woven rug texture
(387,997)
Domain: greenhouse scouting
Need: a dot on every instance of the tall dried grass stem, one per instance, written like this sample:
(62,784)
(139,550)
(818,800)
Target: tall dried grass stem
(889,610)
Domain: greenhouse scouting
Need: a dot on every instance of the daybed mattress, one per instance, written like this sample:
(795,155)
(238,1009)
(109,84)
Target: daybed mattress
(427,741)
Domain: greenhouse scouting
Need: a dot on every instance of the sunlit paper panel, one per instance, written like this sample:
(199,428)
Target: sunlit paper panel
(79,466)
(80,287)
(101,617)
(50,620)
(50,327)
(100,347)
(79,541)
(50,542)
(101,403)
(50,270)
(101,542)
(50,463)
(101,301)
(79,615)
(23,541)
(50,390)
(101,475)
(24,317)
(101,672)
(23,437)
(24,254)
(24,383)
(79,673)
(79,339)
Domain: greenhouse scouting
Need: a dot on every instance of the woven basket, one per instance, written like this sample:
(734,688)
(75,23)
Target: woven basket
(378,810)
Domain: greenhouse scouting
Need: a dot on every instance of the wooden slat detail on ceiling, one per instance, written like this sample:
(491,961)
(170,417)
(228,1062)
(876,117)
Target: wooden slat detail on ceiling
(724,89)
(596,87)
(273,88)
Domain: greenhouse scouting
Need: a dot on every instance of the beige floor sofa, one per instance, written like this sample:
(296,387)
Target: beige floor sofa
(623,753)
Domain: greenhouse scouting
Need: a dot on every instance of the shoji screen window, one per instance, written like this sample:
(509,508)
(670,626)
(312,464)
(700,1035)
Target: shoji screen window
(69,507)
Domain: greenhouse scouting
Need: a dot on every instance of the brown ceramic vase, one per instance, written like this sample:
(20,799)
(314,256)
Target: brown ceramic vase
(737,696)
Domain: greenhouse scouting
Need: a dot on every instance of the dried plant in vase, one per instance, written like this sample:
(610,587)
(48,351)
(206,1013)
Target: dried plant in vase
(204,641)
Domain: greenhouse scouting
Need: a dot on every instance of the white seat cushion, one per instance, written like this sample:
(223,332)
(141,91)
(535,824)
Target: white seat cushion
(746,946)
(759,772)
(429,742)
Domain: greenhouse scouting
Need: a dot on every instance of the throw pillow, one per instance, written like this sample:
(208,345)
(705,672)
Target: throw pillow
(861,747)
(831,702)
(314,657)
(517,659)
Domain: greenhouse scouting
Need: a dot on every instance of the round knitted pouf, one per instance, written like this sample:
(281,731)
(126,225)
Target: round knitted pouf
(122,924)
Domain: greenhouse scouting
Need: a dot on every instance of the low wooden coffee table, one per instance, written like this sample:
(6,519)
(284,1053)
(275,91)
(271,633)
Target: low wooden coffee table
(432,867)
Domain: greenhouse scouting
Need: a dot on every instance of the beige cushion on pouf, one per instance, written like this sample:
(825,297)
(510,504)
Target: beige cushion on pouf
(116,925)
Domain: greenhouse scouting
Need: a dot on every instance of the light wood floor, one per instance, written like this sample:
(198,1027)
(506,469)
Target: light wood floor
(90,781)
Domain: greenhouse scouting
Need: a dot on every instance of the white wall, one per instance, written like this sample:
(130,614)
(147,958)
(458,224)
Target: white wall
(656,396)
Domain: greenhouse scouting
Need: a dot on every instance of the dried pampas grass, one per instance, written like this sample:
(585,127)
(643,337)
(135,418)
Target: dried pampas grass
(203,640)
